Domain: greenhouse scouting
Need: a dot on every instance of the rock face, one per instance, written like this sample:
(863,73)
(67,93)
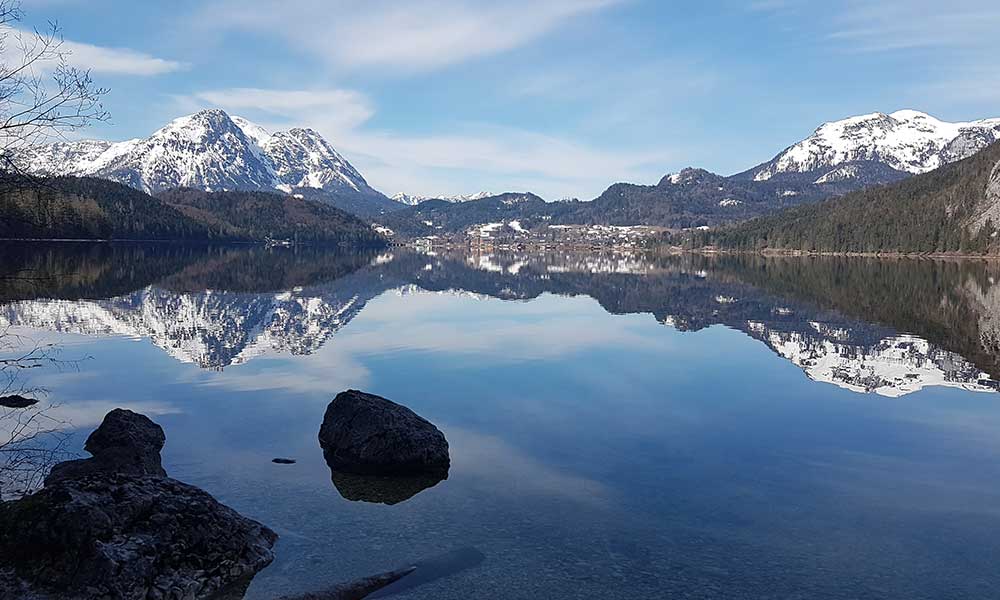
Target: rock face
(126,443)
(367,434)
(94,532)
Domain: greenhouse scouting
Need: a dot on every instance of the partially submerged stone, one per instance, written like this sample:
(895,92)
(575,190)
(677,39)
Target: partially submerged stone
(358,589)
(114,526)
(370,435)
(126,443)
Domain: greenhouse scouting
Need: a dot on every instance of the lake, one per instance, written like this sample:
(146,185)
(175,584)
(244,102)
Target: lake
(621,426)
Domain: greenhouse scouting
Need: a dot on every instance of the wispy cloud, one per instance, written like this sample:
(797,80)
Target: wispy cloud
(419,34)
(118,61)
(906,24)
(99,59)
(339,109)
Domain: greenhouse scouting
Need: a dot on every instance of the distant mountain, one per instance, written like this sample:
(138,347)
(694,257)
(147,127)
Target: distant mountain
(212,151)
(838,158)
(412,200)
(955,208)
(92,208)
(861,148)
(435,217)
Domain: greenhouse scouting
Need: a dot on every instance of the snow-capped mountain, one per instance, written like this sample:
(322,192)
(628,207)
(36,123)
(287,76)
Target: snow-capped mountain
(213,151)
(906,141)
(413,200)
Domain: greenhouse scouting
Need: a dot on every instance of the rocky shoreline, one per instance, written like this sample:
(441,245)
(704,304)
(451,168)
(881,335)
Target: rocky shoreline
(116,526)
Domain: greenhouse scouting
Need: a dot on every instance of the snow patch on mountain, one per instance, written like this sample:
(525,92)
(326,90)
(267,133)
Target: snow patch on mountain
(907,140)
(208,150)
(413,200)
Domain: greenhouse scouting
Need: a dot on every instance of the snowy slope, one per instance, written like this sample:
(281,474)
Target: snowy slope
(208,150)
(907,141)
(413,200)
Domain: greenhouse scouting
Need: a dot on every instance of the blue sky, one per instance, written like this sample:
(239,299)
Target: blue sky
(560,97)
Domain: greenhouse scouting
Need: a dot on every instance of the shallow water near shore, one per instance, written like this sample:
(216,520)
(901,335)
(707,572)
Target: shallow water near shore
(620,425)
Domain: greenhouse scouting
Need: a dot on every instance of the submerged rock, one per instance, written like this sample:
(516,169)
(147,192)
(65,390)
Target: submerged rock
(356,590)
(126,443)
(370,435)
(93,532)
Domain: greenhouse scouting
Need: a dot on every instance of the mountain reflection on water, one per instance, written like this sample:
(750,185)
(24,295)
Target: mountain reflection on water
(888,327)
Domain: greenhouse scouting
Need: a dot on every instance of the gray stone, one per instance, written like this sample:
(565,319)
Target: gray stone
(367,434)
(126,443)
(94,532)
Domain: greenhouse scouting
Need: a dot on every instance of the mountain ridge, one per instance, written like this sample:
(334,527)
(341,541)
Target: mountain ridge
(952,209)
(212,151)
(840,157)
(413,199)
(90,208)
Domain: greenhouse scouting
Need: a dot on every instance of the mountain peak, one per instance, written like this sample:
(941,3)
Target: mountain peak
(908,141)
(686,176)
(908,114)
(212,151)
(414,199)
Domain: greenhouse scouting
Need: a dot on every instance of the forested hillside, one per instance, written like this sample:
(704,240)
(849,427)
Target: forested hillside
(90,208)
(954,209)
(258,215)
(87,208)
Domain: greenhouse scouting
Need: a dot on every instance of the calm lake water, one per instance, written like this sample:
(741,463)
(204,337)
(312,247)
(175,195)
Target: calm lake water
(620,426)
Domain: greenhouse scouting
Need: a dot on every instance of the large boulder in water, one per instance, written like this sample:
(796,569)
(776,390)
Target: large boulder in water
(126,443)
(93,532)
(367,434)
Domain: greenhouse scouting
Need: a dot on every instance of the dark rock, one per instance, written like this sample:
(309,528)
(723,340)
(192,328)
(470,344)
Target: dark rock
(383,489)
(95,533)
(17,401)
(283,461)
(107,535)
(367,434)
(356,590)
(126,443)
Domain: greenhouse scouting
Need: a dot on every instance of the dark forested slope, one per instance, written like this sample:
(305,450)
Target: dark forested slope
(258,215)
(954,209)
(90,208)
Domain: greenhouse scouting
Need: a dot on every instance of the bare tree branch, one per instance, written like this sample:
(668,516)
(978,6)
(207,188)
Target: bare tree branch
(42,97)
(31,439)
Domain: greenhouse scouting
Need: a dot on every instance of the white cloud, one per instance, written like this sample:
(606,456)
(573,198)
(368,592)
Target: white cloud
(910,24)
(118,61)
(99,59)
(897,25)
(419,34)
(340,109)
